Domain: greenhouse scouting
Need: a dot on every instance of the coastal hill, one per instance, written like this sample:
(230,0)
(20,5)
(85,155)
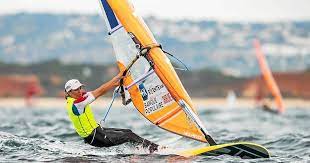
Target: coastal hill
(39,52)
(48,78)
(221,46)
(291,85)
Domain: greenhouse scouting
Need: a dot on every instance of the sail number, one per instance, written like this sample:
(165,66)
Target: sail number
(152,105)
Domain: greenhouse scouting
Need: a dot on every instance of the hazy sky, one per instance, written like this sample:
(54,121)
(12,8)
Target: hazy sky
(227,10)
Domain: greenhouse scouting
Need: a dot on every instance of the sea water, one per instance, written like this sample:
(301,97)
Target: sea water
(32,134)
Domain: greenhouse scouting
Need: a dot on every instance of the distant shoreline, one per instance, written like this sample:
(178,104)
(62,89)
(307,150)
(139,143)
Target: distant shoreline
(48,102)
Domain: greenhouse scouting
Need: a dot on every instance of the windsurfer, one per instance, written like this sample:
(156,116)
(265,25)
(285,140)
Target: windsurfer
(82,118)
(266,107)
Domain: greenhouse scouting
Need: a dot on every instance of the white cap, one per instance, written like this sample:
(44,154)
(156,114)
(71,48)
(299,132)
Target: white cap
(73,84)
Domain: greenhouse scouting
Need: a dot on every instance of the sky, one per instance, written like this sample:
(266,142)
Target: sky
(223,10)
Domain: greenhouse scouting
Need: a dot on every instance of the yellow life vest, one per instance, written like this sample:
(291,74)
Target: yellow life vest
(85,123)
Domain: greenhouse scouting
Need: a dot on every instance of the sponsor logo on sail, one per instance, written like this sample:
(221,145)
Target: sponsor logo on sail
(143,92)
(154,89)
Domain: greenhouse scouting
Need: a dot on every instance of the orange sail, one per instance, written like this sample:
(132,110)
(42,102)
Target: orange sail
(268,78)
(152,84)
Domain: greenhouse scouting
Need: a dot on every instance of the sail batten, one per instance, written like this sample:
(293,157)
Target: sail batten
(139,80)
(168,116)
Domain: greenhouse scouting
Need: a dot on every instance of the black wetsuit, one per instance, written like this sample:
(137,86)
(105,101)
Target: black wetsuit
(107,137)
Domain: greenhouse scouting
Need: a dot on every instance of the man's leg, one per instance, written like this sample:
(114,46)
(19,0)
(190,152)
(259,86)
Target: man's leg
(120,136)
(98,139)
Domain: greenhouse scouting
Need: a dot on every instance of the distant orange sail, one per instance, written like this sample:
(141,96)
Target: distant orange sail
(152,84)
(268,78)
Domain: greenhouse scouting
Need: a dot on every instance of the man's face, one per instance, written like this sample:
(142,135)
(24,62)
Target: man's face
(77,93)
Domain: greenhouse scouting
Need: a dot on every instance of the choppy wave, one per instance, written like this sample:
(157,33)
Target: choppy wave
(34,134)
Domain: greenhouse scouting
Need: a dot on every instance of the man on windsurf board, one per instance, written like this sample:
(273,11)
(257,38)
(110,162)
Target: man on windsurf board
(82,118)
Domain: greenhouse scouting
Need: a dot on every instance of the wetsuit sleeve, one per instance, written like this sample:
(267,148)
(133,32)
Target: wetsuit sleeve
(79,104)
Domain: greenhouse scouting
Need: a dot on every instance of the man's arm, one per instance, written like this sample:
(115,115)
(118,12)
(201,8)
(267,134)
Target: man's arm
(79,104)
(107,86)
